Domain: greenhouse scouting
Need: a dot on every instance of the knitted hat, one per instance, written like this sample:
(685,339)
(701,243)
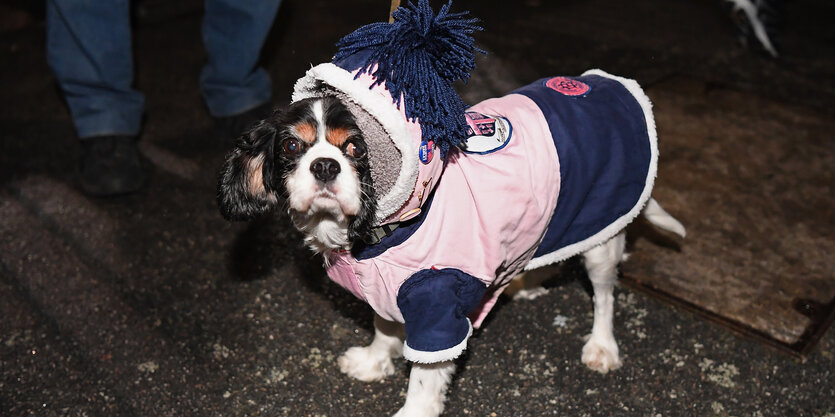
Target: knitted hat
(396,79)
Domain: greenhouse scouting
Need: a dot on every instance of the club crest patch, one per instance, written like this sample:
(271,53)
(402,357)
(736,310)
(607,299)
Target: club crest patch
(485,134)
(567,86)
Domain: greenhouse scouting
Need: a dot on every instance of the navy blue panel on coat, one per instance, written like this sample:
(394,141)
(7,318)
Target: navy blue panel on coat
(435,304)
(604,154)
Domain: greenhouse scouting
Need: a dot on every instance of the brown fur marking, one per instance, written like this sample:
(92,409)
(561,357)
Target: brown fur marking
(255,182)
(338,136)
(306,132)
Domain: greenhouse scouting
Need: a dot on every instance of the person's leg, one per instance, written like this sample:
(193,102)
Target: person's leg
(89,51)
(234,32)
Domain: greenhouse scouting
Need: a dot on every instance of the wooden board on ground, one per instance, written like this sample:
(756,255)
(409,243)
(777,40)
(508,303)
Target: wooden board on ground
(752,180)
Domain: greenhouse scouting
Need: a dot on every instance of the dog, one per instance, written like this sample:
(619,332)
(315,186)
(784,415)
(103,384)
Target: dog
(427,230)
(314,157)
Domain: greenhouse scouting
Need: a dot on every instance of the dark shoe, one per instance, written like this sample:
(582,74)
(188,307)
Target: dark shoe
(109,166)
(230,127)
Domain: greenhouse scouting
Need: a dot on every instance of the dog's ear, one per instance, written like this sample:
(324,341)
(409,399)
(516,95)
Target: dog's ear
(246,185)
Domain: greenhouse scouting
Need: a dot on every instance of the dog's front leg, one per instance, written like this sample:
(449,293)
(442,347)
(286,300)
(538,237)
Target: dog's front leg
(373,362)
(427,389)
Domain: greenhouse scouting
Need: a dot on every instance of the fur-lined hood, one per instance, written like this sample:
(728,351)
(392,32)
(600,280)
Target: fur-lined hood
(396,78)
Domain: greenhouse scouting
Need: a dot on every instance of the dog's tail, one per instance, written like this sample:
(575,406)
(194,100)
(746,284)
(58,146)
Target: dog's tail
(659,217)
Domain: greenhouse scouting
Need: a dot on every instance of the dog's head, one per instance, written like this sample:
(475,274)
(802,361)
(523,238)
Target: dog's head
(311,156)
(368,134)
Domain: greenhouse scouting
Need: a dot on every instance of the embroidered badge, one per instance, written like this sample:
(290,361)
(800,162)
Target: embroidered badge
(567,86)
(485,133)
(426,151)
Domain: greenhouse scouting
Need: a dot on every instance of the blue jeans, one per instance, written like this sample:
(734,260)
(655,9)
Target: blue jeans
(89,51)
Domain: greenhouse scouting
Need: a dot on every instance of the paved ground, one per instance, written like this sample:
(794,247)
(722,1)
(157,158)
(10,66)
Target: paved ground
(153,305)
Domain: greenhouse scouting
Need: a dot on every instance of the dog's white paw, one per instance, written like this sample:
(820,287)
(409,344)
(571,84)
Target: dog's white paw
(601,356)
(366,363)
(530,294)
(430,409)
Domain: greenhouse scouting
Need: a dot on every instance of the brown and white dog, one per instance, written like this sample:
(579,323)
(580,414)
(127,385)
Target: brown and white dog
(313,156)
(427,209)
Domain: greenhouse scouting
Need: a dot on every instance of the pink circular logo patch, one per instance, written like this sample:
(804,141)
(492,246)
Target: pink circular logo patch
(568,86)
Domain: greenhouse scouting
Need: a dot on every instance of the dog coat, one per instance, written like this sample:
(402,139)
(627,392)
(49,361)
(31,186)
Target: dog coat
(548,172)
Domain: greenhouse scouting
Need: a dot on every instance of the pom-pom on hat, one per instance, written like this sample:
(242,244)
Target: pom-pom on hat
(397,79)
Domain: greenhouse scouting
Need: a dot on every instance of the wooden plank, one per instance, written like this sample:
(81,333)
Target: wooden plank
(748,177)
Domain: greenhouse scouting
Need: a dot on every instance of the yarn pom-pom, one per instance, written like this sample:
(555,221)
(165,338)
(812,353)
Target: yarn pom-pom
(419,56)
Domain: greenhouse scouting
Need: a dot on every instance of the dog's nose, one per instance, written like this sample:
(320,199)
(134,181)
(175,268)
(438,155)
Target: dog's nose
(325,169)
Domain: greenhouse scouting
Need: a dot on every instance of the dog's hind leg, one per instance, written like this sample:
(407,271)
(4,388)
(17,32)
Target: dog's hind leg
(373,362)
(601,351)
(427,389)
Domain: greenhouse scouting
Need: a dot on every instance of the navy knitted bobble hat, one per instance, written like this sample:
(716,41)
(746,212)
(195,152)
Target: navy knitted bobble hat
(420,55)
(398,80)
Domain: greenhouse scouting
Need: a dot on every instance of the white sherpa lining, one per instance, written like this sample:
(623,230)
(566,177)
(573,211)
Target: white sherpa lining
(448,354)
(385,112)
(618,225)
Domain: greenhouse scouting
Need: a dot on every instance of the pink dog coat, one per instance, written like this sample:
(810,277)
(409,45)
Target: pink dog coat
(550,171)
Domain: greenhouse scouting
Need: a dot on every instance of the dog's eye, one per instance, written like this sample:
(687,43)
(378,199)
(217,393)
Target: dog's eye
(354,149)
(291,146)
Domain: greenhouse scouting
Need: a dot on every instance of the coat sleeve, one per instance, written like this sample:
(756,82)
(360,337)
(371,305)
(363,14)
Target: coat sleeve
(435,304)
